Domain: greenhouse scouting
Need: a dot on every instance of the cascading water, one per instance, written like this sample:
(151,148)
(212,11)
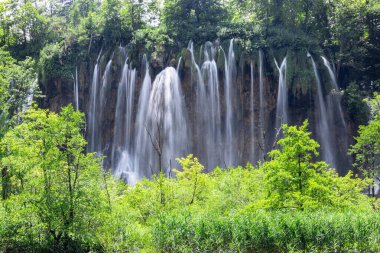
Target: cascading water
(179,63)
(149,135)
(29,96)
(229,94)
(282,96)
(252,109)
(336,117)
(334,95)
(123,129)
(201,118)
(101,104)
(261,123)
(211,108)
(208,116)
(142,141)
(323,128)
(92,113)
(166,135)
(76,90)
(331,73)
(199,80)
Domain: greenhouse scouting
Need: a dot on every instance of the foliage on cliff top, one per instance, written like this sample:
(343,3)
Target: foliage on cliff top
(348,29)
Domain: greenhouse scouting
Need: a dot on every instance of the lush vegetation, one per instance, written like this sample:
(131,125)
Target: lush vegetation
(57,198)
(61,34)
(367,146)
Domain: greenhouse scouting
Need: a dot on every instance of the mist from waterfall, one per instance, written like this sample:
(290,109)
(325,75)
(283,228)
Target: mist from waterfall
(282,96)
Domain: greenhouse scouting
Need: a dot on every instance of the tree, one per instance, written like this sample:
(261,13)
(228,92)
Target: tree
(191,177)
(5,24)
(291,168)
(353,100)
(30,27)
(195,20)
(112,21)
(50,186)
(367,147)
(17,86)
(294,180)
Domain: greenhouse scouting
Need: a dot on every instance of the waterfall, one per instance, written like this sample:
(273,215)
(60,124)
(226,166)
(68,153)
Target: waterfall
(211,109)
(208,141)
(28,100)
(200,84)
(97,103)
(150,131)
(323,128)
(29,96)
(229,94)
(262,106)
(123,129)
(282,96)
(336,116)
(252,117)
(335,94)
(76,90)
(93,106)
(179,63)
(331,73)
(166,136)
(201,107)
(99,116)
(142,141)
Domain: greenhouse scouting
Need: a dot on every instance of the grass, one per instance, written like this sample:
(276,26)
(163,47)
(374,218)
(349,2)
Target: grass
(268,231)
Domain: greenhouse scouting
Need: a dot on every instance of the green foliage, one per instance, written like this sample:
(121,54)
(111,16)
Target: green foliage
(347,29)
(18,81)
(51,190)
(191,178)
(293,180)
(367,146)
(28,30)
(374,105)
(112,20)
(291,173)
(353,99)
(267,232)
(197,20)
(54,196)
(55,63)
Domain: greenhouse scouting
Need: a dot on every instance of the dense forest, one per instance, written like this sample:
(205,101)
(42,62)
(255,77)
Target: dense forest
(189,125)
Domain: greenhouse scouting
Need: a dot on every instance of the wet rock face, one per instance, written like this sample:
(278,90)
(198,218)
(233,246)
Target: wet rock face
(254,134)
